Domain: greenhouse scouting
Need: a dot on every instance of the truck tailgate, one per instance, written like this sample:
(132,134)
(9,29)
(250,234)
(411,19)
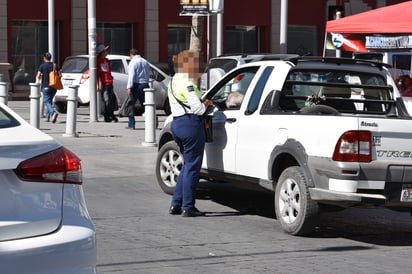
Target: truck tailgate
(392,139)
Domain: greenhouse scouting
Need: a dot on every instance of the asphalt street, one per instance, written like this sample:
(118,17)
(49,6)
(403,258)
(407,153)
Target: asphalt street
(240,234)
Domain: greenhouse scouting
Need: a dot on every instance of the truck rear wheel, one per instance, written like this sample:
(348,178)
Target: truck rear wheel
(296,212)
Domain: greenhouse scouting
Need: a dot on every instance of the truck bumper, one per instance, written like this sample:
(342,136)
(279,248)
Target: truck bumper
(391,194)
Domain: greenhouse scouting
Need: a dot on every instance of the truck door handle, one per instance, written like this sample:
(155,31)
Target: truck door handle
(231,120)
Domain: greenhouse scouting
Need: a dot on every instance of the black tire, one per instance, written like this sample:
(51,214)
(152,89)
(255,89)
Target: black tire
(169,163)
(166,107)
(61,107)
(296,212)
(319,109)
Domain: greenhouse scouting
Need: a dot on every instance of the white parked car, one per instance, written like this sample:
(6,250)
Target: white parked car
(75,71)
(217,67)
(44,223)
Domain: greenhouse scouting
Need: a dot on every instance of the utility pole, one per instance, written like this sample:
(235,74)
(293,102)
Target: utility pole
(51,28)
(283,47)
(91,12)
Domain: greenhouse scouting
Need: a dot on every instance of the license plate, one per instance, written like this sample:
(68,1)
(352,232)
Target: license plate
(406,193)
(67,82)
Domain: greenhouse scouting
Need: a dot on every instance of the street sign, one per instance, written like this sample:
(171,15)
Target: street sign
(337,40)
(194,7)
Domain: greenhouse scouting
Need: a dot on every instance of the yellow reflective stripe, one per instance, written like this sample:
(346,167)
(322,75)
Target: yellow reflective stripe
(180,90)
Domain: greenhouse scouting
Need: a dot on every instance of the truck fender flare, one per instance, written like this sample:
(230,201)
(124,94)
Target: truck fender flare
(291,153)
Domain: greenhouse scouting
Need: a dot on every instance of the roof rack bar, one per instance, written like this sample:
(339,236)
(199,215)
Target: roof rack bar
(340,60)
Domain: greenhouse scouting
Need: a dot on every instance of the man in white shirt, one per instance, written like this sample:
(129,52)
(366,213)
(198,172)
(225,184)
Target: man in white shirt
(139,75)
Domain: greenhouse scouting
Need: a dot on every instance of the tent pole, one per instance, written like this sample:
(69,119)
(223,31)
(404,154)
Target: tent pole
(324,44)
(338,16)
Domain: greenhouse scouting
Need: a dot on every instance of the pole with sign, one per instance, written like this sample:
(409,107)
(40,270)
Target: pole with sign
(205,8)
(194,7)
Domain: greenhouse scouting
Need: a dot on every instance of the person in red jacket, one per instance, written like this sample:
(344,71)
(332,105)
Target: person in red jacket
(105,83)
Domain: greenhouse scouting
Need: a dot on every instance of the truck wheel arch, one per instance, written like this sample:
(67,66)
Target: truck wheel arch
(291,153)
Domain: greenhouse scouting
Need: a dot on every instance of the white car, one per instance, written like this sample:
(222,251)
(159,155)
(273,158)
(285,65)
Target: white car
(75,71)
(217,67)
(44,223)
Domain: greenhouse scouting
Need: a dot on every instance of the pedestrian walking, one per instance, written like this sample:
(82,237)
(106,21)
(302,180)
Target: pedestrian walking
(138,80)
(188,131)
(105,84)
(48,92)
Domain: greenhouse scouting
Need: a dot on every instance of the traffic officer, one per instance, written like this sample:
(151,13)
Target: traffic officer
(188,131)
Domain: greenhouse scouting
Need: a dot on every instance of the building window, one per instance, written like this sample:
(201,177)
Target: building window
(117,35)
(29,41)
(241,39)
(178,40)
(302,40)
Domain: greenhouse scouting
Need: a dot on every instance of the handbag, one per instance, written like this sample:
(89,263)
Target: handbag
(123,108)
(208,129)
(128,109)
(55,78)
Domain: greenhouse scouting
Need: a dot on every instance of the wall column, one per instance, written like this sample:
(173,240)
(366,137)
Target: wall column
(3,31)
(79,27)
(151,26)
(275,26)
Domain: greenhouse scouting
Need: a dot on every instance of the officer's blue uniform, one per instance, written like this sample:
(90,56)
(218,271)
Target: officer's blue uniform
(189,134)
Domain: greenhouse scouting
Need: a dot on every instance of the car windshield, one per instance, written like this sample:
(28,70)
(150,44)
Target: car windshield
(75,65)
(6,120)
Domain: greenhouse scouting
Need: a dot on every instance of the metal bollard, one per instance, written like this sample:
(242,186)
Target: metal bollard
(4,93)
(42,106)
(150,118)
(71,112)
(35,104)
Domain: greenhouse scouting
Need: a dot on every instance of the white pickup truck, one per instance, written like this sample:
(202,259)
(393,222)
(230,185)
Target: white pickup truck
(321,133)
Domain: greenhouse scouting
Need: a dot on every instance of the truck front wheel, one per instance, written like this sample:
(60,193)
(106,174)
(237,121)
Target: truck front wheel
(169,163)
(296,212)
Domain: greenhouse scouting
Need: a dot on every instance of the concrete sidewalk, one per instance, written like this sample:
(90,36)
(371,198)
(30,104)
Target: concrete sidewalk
(91,130)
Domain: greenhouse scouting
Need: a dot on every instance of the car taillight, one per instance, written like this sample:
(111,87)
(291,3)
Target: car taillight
(57,166)
(85,76)
(354,146)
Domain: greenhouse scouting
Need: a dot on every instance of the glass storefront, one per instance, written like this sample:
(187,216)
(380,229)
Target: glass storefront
(29,43)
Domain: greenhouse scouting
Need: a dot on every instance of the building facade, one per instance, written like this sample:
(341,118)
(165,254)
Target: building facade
(157,30)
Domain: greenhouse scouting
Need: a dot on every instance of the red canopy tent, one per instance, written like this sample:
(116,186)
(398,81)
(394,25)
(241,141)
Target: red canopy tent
(391,19)
(379,29)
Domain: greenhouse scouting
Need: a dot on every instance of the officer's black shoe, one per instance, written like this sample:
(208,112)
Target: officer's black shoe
(175,210)
(193,212)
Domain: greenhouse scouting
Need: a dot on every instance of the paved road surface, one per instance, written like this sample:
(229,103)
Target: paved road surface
(135,234)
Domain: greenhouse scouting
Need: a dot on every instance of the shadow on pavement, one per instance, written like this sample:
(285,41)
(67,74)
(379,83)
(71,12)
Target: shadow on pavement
(379,226)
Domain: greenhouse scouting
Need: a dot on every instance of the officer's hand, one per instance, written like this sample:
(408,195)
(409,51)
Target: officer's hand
(208,103)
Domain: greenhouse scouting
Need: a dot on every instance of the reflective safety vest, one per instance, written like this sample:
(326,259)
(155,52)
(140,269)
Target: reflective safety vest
(179,88)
